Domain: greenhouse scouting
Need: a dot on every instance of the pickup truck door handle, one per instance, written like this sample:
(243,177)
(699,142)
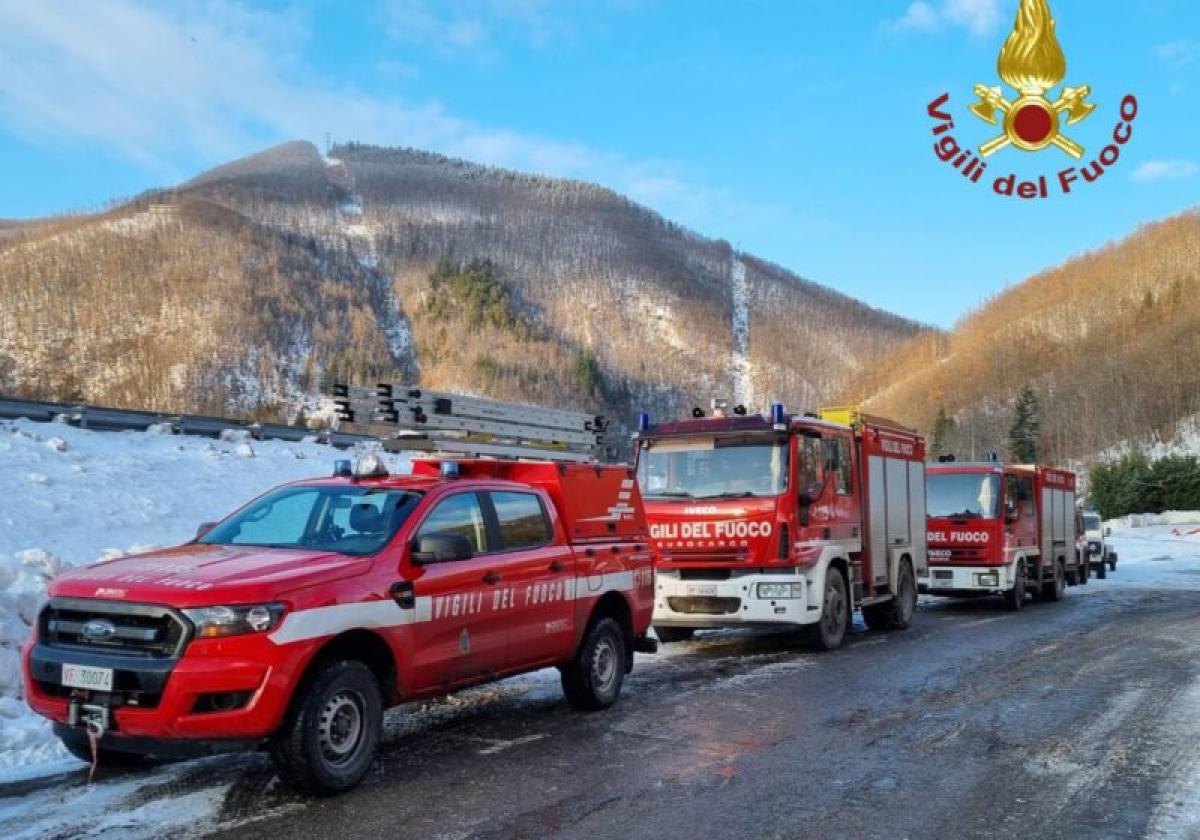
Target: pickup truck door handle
(557,566)
(491,577)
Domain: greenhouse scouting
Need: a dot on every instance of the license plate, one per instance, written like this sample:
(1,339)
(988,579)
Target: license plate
(944,583)
(695,589)
(83,676)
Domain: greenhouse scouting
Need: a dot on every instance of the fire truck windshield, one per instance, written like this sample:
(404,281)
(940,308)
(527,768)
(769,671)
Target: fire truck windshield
(348,520)
(962,495)
(713,468)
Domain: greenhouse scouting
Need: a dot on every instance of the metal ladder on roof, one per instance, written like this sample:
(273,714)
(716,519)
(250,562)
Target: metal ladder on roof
(412,419)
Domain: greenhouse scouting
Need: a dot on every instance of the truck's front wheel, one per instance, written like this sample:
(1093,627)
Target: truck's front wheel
(897,613)
(592,680)
(1014,598)
(830,631)
(1102,570)
(329,740)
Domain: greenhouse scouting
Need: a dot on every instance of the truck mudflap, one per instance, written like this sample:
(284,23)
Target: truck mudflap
(743,599)
(645,644)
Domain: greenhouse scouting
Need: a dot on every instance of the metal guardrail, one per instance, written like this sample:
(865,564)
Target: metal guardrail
(101,419)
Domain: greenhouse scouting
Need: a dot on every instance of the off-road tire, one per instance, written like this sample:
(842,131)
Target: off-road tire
(78,746)
(1085,573)
(1056,589)
(830,632)
(1112,562)
(329,739)
(897,613)
(667,635)
(1014,598)
(1102,572)
(592,680)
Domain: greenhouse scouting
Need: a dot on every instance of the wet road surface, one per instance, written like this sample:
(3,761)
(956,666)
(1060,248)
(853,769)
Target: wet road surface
(1077,719)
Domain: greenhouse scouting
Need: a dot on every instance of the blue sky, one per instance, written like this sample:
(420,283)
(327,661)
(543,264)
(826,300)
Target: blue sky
(795,129)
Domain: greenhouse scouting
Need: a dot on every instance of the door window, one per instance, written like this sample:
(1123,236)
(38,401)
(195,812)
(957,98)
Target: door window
(522,520)
(838,463)
(812,463)
(1026,492)
(460,514)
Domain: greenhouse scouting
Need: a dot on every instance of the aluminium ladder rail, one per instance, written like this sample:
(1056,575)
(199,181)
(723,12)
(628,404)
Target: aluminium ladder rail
(411,418)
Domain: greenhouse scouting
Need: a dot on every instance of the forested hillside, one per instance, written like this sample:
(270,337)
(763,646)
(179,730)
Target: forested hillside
(250,285)
(1109,341)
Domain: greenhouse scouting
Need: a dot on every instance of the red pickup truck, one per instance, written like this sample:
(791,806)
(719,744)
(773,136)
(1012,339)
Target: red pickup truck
(297,620)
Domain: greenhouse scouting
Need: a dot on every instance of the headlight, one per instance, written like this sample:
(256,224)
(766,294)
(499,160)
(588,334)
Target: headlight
(212,622)
(781,590)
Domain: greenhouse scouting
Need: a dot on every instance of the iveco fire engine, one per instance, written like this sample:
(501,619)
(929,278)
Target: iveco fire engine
(1001,529)
(783,520)
(294,622)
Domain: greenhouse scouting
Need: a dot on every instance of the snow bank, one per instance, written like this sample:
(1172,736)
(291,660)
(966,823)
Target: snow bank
(1145,520)
(72,497)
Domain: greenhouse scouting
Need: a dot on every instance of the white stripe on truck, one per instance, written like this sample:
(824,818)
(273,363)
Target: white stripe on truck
(329,621)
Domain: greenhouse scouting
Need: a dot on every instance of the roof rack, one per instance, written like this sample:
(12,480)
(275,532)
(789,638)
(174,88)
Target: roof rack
(409,419)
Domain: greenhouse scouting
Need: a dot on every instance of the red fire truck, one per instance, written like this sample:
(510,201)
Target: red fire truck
(997,529)
(294,622)
(783,520)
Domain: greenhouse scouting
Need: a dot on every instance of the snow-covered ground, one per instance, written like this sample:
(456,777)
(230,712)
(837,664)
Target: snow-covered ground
(741,368)
(72,497)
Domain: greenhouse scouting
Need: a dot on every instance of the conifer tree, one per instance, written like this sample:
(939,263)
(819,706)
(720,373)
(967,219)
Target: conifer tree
(1025,428)
(945,434)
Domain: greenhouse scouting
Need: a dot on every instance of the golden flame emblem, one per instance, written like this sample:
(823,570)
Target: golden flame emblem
(1032,62)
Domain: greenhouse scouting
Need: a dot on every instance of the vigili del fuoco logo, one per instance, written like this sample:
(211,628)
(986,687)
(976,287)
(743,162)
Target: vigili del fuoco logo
(1032,63)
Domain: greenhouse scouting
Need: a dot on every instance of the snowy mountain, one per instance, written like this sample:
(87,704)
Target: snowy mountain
(244,288)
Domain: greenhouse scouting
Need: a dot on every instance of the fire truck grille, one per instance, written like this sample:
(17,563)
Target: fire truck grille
(705,556)
(698,605)
(108,627)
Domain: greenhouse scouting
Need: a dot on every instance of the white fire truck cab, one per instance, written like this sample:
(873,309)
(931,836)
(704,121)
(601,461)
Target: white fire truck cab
(783,520)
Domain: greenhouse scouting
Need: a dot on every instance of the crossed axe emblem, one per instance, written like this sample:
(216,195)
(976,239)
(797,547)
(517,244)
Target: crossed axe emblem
(1032,121)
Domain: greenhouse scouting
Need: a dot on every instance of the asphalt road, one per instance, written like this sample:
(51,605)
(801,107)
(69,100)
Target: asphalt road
(1073,720)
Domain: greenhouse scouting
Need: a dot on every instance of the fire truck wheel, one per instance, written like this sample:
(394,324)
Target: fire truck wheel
(666,635)
(1014,598)
(1056,589)
(78,746)
(329,739)
(592,680)
(830,631)
(897,613)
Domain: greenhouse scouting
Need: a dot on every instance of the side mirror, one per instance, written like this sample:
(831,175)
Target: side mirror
(1108,532)
(441,547)
(204,528)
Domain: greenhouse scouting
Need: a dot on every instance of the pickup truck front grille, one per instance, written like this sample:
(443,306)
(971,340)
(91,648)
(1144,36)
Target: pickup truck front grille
(142,630)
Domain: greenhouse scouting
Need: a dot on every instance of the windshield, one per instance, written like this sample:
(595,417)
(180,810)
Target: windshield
(713,468)
(962,495)
(348,520)
(1091,522)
